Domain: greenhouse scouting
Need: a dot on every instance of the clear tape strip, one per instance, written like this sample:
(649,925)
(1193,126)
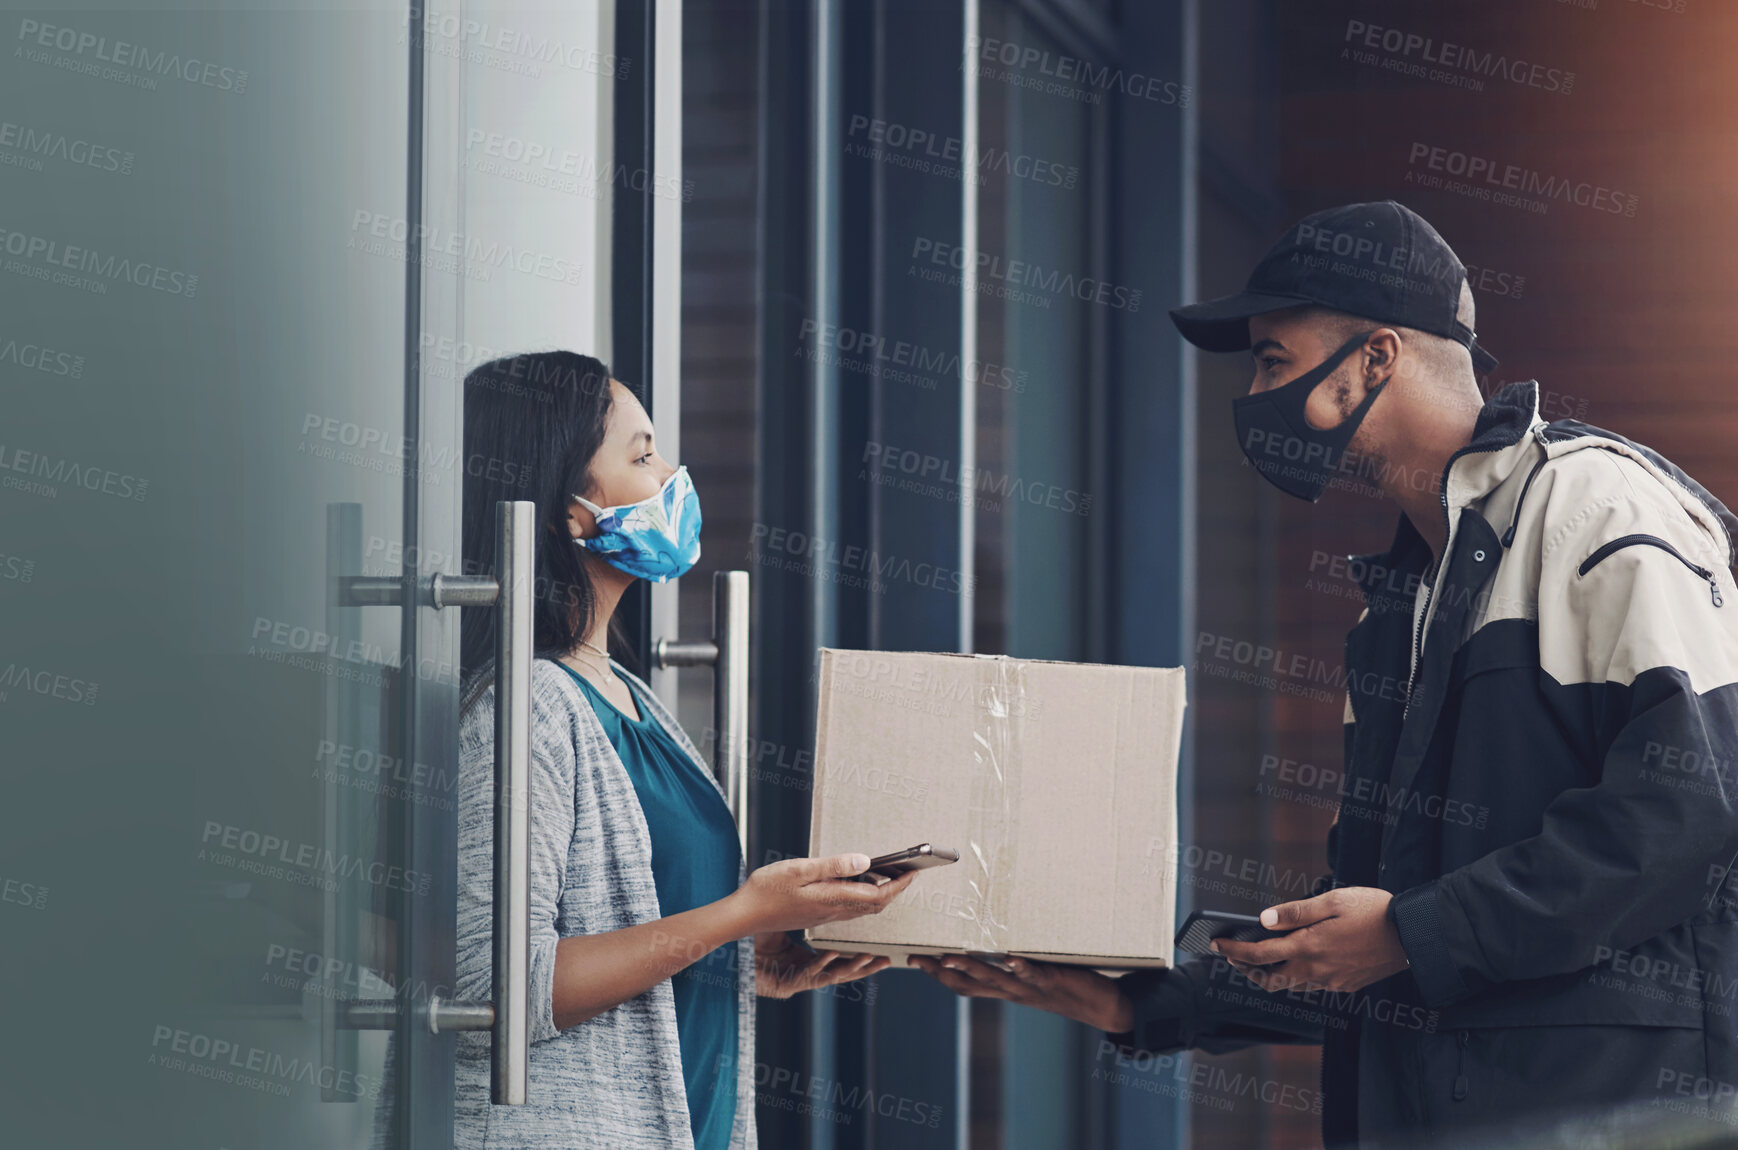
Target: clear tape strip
(995,797)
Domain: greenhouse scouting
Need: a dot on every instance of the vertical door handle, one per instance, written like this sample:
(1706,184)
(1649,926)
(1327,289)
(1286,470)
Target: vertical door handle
(510,1050)
(727,654)
(337,915)
(730,693)
(507,1014)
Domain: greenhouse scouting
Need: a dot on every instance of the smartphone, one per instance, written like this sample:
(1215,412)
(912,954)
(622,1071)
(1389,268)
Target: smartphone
(920,857)
(1203,926)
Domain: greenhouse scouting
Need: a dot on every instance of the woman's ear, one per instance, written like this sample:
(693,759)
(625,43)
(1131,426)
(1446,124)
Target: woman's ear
(581,524)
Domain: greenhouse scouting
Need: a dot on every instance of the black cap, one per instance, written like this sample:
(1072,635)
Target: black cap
(1382,261)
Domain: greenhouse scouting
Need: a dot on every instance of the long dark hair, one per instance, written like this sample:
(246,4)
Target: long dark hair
(533,423)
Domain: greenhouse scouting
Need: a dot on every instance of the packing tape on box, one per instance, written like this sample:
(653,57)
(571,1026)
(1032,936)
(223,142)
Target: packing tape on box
(995,799)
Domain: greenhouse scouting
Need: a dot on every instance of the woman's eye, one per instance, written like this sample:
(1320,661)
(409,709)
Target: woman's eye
(644,458)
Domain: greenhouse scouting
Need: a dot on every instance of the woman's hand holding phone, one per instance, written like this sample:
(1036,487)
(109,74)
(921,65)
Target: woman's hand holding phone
(794,894)
(597,972)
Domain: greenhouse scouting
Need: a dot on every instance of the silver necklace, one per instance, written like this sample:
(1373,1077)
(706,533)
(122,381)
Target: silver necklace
(579,656)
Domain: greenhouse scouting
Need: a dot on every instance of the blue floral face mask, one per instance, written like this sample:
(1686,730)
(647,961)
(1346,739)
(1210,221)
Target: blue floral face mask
(656,538)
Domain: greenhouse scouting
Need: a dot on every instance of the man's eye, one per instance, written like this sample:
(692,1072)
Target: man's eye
(1269,362)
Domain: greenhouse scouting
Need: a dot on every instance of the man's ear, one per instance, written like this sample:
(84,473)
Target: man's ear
(1380,355)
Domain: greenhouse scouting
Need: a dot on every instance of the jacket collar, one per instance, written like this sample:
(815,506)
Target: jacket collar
(1500,439)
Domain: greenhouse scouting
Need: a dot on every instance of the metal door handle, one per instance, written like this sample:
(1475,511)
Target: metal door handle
(508,1013)
(510,1050)
(727,654)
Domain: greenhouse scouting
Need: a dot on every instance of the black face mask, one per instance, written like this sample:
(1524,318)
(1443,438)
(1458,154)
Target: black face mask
(1279,442)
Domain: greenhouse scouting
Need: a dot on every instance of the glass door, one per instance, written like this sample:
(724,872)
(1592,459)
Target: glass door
(247,255)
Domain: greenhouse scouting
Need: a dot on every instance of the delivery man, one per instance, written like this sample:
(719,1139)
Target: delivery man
(1531,908)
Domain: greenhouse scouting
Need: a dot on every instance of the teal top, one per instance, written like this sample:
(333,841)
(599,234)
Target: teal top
(695,860)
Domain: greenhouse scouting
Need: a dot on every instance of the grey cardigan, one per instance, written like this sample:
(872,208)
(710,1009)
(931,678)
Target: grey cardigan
(613,1082)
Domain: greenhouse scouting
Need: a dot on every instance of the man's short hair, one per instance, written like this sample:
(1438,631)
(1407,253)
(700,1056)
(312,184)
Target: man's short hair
(1439,355)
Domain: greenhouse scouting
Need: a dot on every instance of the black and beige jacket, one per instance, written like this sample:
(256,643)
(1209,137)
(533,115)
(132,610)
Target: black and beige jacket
(1541,746)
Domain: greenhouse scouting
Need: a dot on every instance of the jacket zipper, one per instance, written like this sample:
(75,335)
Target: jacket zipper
(1623,541)
(1460,1082)
(1418,647)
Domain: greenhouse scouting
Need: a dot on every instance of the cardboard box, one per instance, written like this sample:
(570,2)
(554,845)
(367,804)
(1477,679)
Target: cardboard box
(1056,782)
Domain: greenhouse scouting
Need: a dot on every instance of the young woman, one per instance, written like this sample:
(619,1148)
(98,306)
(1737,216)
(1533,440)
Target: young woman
(643,972)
